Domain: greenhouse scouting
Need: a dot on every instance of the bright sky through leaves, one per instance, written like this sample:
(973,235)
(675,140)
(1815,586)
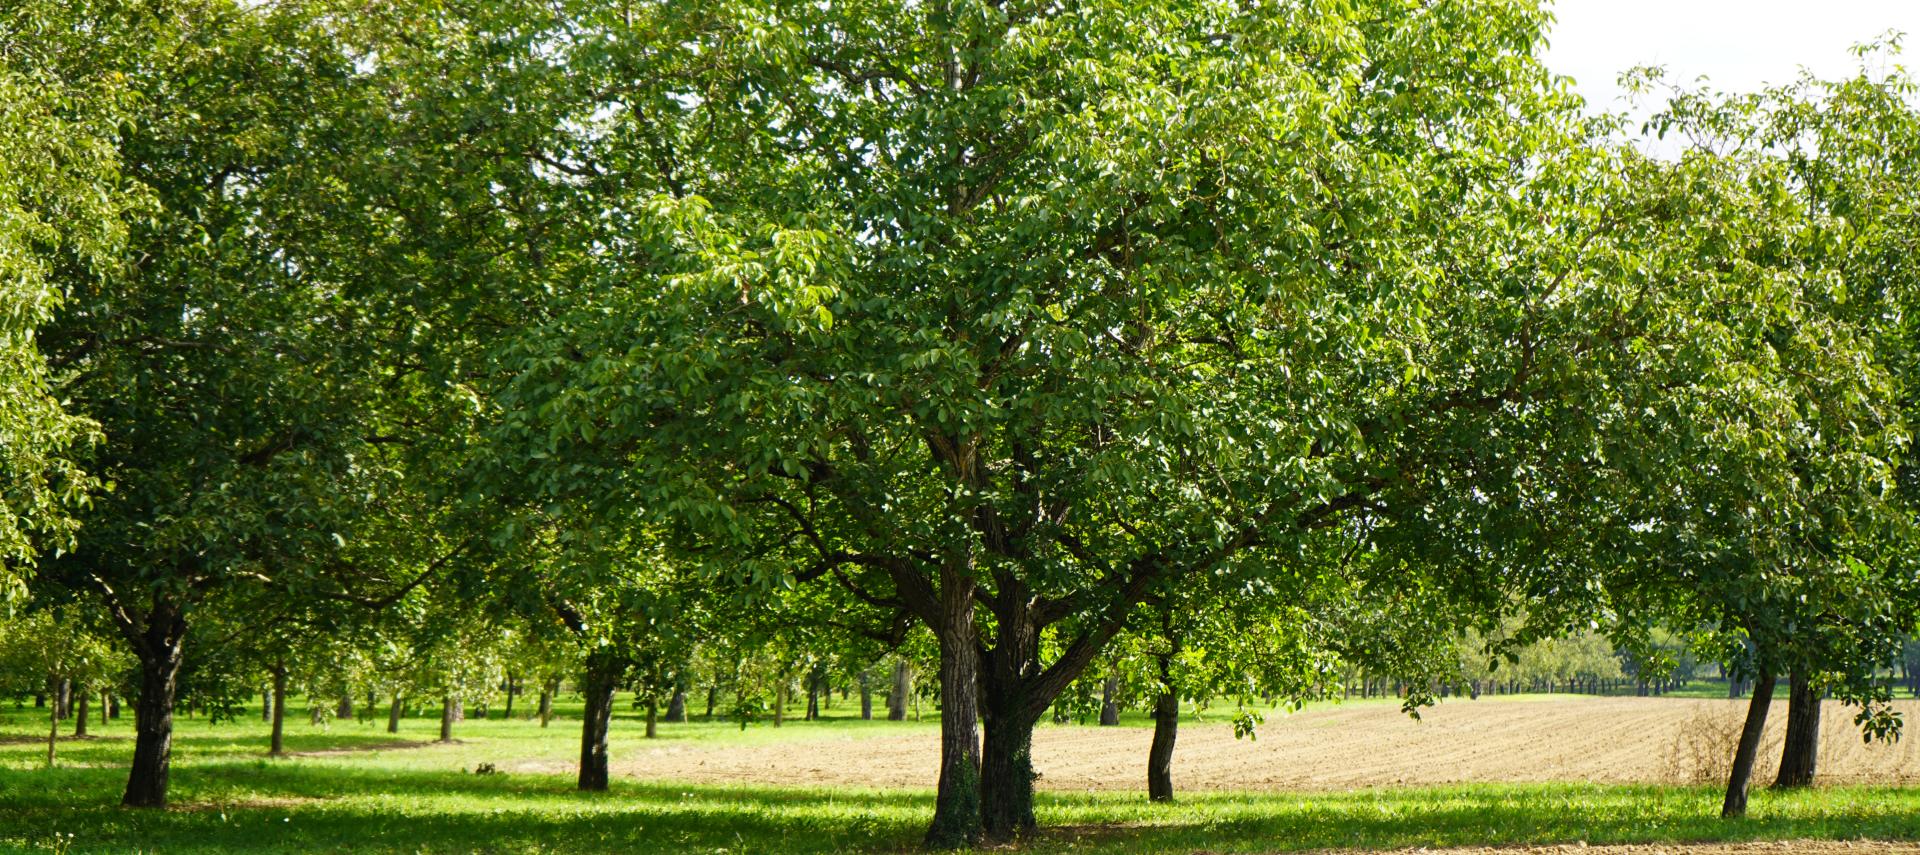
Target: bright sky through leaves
(1739,44)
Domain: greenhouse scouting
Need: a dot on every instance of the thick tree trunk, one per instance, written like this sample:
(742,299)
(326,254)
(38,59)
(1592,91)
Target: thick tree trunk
(602,677)
(278,745)
(393,714)
(1800,752)
(80,711)
(956,808)
(446,718)
(902,687)
(1109,707)
(1166,727)
(1743,757)
(677,706)
(159,647)
(1006,775)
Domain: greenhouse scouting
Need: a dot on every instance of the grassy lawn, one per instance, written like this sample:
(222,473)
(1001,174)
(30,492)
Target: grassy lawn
(381,793)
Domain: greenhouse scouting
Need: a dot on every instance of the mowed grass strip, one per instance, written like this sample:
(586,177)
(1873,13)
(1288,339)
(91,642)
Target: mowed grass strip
(372,792)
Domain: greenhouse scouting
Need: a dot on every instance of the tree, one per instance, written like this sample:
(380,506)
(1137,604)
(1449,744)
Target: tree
(1007,316)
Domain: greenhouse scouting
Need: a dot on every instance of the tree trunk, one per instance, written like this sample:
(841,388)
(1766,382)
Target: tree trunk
(677,706)
(81,697)
(446,718)
(393,714)
(956,808)
(866,695)
(713,694)
(1800,752)
(1166,727)
(113,706)
(1109,708)
(602,677)
(344,709)
(278,746)
(53,731)
(902,687)
(513,687)
(546,702)
(780,700)
(653,717)
(266,703)
(63,698)
(813,698)
(159,647)
(1742,773)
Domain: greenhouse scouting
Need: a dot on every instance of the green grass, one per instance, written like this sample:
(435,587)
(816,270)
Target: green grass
(391,794)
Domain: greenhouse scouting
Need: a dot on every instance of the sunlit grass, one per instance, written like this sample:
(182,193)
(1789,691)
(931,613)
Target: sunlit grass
(375,792)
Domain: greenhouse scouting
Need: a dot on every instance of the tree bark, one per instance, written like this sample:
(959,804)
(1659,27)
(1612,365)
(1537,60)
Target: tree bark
(1166,728)
(653,717)
(1109,708)
(63,698)
(1742,774)
(902,687)
(546,701)
(277,747)
(677,706)
(866,695)
(602,677)
(446,718)
(159,646)
(81,697)
(713,694)
(1800,751)
(956,808)
(53,732)
(393,714)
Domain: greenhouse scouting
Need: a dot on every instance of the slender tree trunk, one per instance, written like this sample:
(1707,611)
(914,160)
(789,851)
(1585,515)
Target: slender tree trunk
(653,717)
(546,701)
(513,687)
(602,677)
(266,703)
(160,648)
(113,706)
(63,698)
(393,714)
(278,745)
(53,731)
(446,718)
(1742,774)
(1800,751)
(780,700)
(1109,707)
(713,695)
(902,687)
(866,695)
(1166,728)
(81,697)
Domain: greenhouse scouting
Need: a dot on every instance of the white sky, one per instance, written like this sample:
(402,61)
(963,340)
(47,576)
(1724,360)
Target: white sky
(1739,44)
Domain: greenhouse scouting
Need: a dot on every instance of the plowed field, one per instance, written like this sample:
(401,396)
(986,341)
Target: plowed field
(1608,740)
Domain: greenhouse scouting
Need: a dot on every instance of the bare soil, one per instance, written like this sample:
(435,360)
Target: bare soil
(1606,740)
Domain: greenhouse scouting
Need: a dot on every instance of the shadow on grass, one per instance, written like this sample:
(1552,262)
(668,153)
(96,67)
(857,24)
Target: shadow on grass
(262,806)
